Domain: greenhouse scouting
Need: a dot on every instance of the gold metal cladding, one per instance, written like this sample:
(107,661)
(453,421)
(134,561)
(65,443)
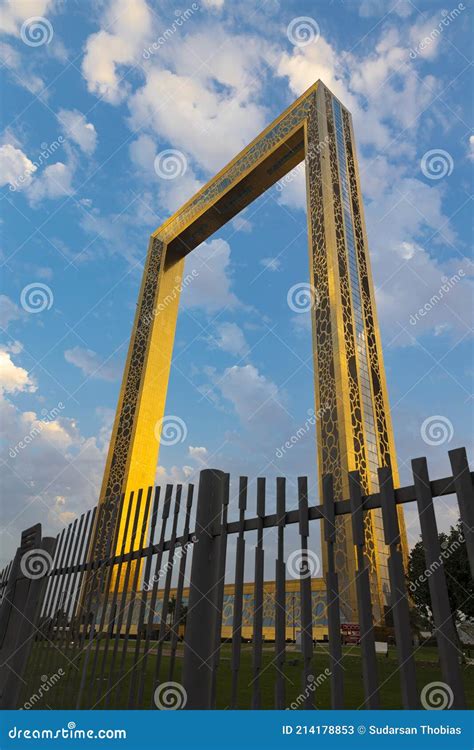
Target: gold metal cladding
(304,131)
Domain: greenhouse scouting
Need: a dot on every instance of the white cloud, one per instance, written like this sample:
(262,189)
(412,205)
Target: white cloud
(92,364)
(213,4)
(9,311)
(292,192)
(15,167)
(302,323)
(402,8)
(378,174)
(53,182)
(425,36)
(241,224)
(9,56)
(119,233)
(256,399)
(305,65)
(230,338)
(470,154)
(13,378)
(120,41)
(13,13)
(143,152)
(208,110)
(27,78)
(371,72)
(78,129)
(386,94)
(382,90)
(403,213)
(175,474)
(194,118)
(211,287)
(405,223)
(173,193)
(60,468)
(233,60)
(198,453)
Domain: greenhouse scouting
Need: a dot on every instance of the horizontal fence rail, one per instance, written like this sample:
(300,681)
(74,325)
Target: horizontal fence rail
(162,619)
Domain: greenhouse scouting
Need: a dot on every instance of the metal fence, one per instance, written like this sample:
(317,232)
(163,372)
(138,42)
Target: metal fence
(143,627)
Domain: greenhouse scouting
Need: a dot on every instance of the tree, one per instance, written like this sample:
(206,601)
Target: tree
(171,608)
(456,567)
(183,611)
(183,614)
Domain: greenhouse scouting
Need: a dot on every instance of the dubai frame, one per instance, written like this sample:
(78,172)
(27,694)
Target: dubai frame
(354,431)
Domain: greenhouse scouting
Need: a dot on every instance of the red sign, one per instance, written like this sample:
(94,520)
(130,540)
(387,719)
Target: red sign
(350,627)
(350,632)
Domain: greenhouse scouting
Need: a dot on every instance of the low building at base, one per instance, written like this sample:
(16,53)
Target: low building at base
(292,610)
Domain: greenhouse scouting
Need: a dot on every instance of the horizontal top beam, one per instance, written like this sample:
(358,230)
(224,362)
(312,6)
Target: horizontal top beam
(439,488)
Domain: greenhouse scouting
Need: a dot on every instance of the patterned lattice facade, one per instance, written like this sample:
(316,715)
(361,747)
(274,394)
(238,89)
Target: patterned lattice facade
(292,610)
(354,429)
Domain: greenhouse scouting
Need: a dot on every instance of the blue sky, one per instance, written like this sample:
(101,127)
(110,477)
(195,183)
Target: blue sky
(92,94)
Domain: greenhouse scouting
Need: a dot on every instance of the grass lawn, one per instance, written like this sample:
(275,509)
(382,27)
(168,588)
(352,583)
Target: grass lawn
(63,694)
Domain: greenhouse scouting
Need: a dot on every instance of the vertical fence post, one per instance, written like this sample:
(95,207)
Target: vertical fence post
(200,638)
(443,619)
(465,494)
(258,598)
(364,601)
(220,589)
(306,609)
(332,592)
(238,594)
(20,611)
(399,598)
(280,596)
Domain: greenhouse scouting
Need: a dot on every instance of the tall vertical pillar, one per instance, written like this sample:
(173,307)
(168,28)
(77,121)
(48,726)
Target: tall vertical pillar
(354,429)
(134,444)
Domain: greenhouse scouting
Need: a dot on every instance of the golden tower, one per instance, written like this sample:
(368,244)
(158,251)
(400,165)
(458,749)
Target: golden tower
(354,431)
